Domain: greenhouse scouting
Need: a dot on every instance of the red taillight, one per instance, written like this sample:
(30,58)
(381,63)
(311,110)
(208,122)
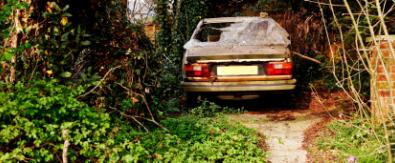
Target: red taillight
(279,68)
(196,70)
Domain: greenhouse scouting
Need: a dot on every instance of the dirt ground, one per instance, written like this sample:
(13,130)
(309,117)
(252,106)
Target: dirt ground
(290,129)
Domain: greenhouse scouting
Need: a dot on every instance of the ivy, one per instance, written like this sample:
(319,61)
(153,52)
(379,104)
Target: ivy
(164,37)
(7,9)
(176,27)
(34,116)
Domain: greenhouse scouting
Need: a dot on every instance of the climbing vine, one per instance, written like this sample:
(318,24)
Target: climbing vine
(176,27)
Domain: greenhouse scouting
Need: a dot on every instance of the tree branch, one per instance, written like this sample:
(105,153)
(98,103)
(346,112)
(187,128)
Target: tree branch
(131,117)
(100,82)
(152,119)
(306,57)
(66,145)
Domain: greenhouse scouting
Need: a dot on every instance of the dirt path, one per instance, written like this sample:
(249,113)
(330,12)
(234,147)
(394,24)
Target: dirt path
(284,128)
(284,137)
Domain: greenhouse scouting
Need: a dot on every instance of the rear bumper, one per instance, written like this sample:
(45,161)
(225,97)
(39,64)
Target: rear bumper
(242,86)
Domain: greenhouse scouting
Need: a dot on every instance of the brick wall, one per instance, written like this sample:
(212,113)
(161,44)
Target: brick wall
(383,81)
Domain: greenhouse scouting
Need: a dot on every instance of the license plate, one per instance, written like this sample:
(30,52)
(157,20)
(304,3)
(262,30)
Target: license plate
(237,70)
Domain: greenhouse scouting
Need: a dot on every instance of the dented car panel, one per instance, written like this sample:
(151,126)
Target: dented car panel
(237,54)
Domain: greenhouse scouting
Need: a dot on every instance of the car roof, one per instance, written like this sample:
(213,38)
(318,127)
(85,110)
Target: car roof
(229,19)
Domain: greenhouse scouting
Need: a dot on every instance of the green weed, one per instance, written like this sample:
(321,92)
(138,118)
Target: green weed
(358,139)
(34,116)
(210,109)
(194,139)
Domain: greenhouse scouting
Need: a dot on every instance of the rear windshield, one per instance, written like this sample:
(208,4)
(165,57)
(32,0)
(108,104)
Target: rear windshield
(249,32)
(211,32)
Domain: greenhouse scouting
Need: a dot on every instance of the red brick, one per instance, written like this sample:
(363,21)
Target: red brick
(389,69)
(385,53)
(388,62)
(385,93)
(381,77)
(380,69)
(382,85)
(385,44)
(375,57)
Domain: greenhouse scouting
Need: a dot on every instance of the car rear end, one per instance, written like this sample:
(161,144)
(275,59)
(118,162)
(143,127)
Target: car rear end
(239,78)
(237,71)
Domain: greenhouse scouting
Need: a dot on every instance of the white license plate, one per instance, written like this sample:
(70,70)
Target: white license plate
(237,70)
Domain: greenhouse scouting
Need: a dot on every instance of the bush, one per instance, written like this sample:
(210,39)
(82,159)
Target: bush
(35,116)
(194,139)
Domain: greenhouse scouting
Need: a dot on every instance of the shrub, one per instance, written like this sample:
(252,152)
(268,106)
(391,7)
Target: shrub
(34,115)
(194,139)
(36,119)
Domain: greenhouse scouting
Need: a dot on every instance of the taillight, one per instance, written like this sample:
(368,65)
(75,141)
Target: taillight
(279,68)
(196,70)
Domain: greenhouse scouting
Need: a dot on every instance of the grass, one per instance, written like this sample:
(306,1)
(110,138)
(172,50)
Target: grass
(344,141)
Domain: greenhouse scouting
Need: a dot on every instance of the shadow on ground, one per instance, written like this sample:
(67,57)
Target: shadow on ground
(271,102)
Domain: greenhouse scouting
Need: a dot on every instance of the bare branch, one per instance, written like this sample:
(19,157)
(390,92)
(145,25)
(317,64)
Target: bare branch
(66,144)
(152,118)
(326,4)
(131,117)
(100,82)
(307,57)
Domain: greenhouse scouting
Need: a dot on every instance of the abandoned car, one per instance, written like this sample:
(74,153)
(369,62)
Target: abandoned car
(237,58)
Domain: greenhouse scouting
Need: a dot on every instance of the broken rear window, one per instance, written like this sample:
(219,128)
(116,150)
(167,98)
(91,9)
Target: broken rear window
(252,31)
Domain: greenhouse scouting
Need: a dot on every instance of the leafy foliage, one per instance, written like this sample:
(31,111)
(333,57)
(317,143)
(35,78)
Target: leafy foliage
(66,40)
(210,109)
(35,115)
(209,140)
(53,40)
(175,29)
(6,11)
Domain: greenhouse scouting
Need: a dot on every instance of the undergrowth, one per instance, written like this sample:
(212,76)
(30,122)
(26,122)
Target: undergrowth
(210,109)
(194,139)
(37,118)
(357,140)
